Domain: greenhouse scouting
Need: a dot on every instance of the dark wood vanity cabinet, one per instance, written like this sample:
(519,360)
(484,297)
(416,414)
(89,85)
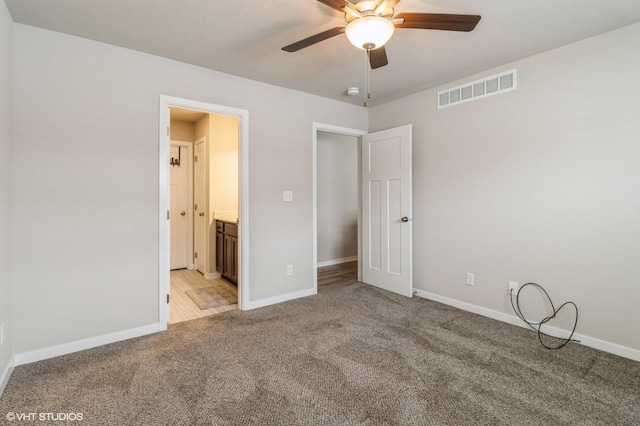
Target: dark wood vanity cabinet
(227,250)
(219,247)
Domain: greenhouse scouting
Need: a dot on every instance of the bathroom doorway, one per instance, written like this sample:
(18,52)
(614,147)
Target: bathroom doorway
(205,164)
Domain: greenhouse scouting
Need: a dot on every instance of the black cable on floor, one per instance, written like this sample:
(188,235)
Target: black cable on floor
(518,311)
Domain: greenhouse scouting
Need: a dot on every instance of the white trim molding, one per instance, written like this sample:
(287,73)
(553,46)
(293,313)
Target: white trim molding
(80,345)
(281,298)
(6,375)
(591,342)
(337,261)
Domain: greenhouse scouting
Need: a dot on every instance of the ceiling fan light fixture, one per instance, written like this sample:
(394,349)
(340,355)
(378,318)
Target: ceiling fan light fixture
(369,32)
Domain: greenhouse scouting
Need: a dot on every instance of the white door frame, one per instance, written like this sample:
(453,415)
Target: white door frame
(163,198)
(189,165)
(319,127)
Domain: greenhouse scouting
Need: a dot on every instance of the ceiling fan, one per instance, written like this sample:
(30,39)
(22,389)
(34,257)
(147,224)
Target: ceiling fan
(370,24)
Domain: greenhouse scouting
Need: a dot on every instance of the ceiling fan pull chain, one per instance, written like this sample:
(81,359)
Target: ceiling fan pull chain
(367,77)
(366,86)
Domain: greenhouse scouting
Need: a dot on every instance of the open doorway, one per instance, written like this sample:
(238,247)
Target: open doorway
(203,260)
(203,201)
(336,206)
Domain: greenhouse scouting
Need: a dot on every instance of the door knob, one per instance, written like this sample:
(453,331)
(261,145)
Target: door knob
(405,219)
(201,214)
(183,213)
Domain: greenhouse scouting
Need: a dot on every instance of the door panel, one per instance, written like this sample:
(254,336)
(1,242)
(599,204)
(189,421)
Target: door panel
(386,196)
(395,226)
(179,206)
(219,251)
(375,225)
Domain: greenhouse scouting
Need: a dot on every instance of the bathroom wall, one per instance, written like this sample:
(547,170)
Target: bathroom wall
(182,130)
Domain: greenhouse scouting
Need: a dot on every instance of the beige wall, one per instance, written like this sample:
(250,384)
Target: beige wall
(6,60)
(223,157)
(540,184)
(201,128)
(223,172)
(182,130)
(337,196)
(87,233)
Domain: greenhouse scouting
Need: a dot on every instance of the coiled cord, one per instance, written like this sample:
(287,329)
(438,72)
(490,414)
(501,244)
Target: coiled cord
(518,312)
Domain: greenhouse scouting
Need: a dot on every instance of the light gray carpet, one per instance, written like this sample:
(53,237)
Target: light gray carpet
(214,295)
(351,356)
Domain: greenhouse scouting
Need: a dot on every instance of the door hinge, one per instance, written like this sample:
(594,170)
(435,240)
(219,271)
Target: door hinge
(196,206)
(167,298)
(195,255)
(195,159)
(168,215)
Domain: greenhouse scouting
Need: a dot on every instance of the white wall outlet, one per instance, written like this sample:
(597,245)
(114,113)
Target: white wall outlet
(470,278)
(287,195)
(513,288)
(2,334)
(289,269)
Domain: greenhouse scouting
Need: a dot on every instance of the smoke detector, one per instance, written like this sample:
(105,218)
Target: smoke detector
(353,91)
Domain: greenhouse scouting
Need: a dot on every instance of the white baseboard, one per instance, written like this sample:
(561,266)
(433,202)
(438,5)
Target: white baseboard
(6,374)
(337,261)
(279,299)
(591,342)
(80,345)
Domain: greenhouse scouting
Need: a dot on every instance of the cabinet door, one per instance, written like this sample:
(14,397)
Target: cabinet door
(234,263)
(230,269)
(219,251)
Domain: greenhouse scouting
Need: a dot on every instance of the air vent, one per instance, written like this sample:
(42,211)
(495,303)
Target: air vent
(489,86)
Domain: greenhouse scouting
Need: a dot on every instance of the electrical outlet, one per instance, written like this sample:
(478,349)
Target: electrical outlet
(470,278)
(289,269)
(2,334)
(287,195)
(513,288)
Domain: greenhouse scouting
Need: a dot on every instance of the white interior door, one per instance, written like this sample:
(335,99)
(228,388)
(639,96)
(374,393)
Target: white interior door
(180,224)
(200,209)
(386,210)
(178,205)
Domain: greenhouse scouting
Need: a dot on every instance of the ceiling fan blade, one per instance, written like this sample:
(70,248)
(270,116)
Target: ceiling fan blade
(385,6)
(378,58)
(317,38)
(338,4)
(438,21)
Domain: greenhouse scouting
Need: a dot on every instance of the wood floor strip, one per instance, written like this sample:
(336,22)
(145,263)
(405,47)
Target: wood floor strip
(335,276)
(181,306)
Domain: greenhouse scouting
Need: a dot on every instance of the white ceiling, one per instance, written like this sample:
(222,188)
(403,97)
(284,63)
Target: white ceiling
(244,37)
